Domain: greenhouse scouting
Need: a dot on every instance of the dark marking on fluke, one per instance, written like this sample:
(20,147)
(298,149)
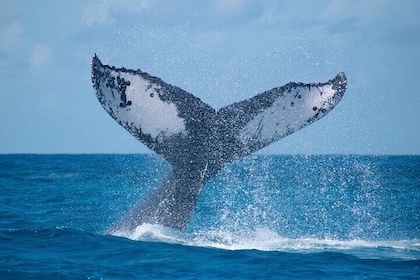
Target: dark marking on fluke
(210,139)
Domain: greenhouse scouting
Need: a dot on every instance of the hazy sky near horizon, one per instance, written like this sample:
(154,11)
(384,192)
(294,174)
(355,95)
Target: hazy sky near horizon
(221,51)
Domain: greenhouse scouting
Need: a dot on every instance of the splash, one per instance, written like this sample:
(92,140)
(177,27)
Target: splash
(310,204)
(265,239)
(153,233)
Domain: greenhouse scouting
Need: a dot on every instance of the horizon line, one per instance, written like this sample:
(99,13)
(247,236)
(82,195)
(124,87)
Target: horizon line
(256,154)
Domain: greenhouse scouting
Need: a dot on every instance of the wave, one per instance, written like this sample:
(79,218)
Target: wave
(264,239)
(68,253)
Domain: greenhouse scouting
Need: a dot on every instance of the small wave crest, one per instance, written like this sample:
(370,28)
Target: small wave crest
(152,233)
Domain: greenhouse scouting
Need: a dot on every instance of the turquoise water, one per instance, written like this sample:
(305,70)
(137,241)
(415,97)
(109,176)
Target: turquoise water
(265,217)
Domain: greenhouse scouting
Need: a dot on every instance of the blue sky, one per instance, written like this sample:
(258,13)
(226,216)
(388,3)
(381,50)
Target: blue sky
(221,51)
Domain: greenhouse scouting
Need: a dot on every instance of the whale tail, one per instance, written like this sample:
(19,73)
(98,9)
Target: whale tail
(194,138)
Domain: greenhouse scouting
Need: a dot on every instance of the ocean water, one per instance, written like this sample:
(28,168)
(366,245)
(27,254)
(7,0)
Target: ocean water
(264,217)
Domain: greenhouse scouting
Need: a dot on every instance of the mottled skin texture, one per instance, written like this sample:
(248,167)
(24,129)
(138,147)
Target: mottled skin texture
(211,140)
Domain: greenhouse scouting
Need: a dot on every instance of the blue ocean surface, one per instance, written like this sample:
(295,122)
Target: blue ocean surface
(264,217)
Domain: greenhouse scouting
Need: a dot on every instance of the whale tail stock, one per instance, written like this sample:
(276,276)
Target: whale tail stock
(194,138)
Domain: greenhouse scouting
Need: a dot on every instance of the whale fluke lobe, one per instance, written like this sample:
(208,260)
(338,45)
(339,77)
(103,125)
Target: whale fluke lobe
(194,138)
(165,118)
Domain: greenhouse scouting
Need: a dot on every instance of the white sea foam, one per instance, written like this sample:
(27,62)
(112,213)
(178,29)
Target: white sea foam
(153,233)
(264,239)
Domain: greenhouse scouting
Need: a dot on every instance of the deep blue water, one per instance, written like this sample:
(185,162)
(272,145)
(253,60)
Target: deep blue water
(265,217)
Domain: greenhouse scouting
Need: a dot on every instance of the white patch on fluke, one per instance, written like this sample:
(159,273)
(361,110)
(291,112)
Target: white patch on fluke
(147,111)
(291,111)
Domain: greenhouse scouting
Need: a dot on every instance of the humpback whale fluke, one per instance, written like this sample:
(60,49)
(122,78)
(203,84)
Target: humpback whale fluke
(197,140)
